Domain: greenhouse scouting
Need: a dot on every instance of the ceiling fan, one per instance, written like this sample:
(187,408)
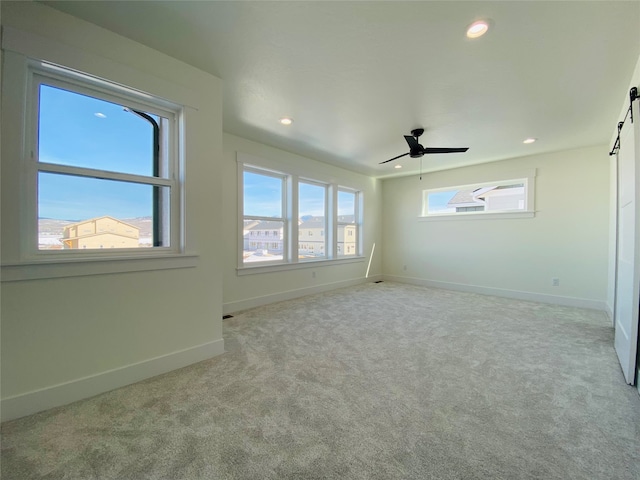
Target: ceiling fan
(417,151)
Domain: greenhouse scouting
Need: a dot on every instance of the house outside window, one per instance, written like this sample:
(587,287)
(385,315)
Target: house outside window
(509,197)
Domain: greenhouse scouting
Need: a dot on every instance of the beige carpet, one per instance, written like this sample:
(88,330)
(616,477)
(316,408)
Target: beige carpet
(378,381)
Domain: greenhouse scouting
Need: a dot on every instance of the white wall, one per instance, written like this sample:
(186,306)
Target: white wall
(567,238)
(66,338)
(256,289)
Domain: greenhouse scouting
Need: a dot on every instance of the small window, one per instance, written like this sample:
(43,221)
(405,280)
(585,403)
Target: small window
(507,196)
(105,169)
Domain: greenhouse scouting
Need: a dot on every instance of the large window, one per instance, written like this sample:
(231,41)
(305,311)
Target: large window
(292,220)
(105,171)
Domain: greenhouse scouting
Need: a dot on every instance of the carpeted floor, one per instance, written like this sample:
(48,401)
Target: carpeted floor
(378,381)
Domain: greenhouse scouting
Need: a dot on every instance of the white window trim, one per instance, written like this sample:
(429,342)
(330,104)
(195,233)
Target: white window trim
(527,178)
(327,189)
(81,267)
(17,263)
(43,73)
(358,215)
(286,249)
(293,178)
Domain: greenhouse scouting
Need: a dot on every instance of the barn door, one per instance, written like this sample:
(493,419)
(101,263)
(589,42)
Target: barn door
(628,261)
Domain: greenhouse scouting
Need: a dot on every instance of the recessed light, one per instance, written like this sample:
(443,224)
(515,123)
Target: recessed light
(100,115)
(477,29)
(530,140)
(286,121)
(398,166)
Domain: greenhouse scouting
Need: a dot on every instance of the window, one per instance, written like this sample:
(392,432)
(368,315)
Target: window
(348,222)
(263,209)
(310,217)
(312,211)
(511,196)
(105,171)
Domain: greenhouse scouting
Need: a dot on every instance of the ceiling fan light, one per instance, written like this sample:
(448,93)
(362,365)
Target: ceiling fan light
(477,29)
(398,166)
(286,121)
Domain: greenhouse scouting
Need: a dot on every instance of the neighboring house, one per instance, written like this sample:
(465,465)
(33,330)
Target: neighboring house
(266,237)
(489,199)
(311,237)
(261,236)
(100,232)
(504,197)
(347,236)
(464,201)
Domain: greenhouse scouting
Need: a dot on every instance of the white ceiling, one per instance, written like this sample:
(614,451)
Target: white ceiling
(357,76)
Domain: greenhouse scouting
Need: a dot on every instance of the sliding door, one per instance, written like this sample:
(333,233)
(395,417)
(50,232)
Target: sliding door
(628,260)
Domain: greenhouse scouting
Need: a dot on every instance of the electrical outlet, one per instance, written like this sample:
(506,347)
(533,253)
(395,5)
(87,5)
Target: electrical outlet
(555,282)
(404,268)
(313,274)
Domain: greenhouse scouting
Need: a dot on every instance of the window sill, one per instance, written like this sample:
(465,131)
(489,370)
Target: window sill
(476,216)
(295,266)
(79,267)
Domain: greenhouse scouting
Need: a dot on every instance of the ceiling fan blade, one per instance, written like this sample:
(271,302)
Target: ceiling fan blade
(444,150)
(413,142)
(394,158)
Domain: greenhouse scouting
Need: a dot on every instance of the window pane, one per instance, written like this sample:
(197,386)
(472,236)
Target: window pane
(346,207)
(438,202)
(312,226)
(262,195)
(492,198)
(87,213)
(347,240)
(263,241)
(82,131)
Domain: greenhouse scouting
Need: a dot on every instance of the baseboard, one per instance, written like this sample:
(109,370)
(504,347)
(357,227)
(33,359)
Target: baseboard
(231,307)
(62,394)
(609,312)
(501,292)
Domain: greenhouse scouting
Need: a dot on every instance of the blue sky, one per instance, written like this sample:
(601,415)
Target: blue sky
(263,197)
(438,200)
(81,131)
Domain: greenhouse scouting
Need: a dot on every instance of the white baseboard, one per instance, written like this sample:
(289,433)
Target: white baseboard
(609,312)
(64,393)
(501,292)
(231,307)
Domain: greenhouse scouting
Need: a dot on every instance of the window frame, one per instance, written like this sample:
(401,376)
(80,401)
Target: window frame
(290,230)
(323,246)
(357,221)
(42,73)
(283,212)
(526,178)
